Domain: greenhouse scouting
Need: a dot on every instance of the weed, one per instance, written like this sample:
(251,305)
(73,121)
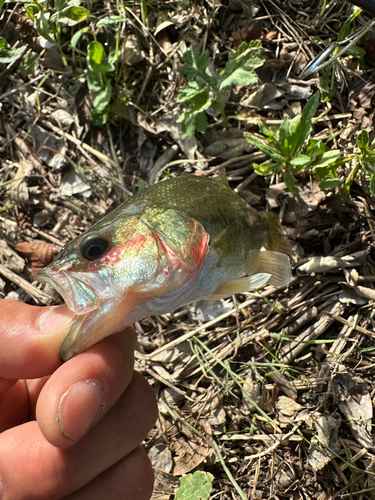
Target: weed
(56,25)
(204,91)
(195,486)
(364,163)
(291,151)
(326,80)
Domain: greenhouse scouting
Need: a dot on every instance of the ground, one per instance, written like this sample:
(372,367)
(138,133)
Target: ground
(270,392)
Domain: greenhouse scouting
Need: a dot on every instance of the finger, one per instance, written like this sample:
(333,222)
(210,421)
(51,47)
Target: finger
(30,338)
(14,406)
(83,389)
(33,469)
(129,479)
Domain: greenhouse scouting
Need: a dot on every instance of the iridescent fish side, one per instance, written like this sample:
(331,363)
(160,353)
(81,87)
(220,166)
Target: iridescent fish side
(178,241)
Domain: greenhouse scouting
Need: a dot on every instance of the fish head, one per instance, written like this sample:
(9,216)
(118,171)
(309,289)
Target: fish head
(120,263)
(117,265)
(105,262)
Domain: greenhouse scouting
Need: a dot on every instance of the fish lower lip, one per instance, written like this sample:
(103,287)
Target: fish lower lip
(78,295)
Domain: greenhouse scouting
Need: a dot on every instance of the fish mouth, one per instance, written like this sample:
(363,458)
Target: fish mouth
(81,291)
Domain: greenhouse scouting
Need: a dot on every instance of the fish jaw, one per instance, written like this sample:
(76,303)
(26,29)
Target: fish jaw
(81,291)
(108,318)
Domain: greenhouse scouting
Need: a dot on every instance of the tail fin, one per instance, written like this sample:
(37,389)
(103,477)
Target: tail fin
(277,240)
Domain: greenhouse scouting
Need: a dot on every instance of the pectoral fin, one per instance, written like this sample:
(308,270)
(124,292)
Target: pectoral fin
(276,264)
(240,285)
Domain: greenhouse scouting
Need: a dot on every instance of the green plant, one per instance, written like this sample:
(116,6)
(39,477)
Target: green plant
(56,24)
(196,486)
(326,79)
(290,151)
(364,162)
(8,54)
(48,22)
(204,91)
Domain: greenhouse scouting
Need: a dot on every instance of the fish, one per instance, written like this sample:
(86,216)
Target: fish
(181,240)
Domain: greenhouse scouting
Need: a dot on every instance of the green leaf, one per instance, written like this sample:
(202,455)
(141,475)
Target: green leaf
(31,10)
(42,26)
(109,20)
(327,164)
(11,55)
(113,57)
(363,140)
(60,4)
(240,76)
(200,103)
(30,63)
(1,3)
(266,130)
(141,184)
(191,90)
(96,52)
(345,29)
(247,54)
(330,156)
(315,149)
(103,99)
(283,139)
(144,11)
(326,83)
(330,184)
(267,168)
(3,44)
(98,118)
(77,35)
(289,181)
(195,63)
(96,55)
(197,486)
(358,53)
(201,122)
(303,129)
(300,161)
(190,122)
(265,148)
(73,15)
(94,79)
(372,184)
(187,124)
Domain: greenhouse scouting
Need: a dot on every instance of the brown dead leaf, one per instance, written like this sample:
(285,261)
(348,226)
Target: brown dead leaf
(39,254)
(188,454)
(360,102)
(247,34)
(327,427)
(354,401)
(165,485)
(10,259)
(18,190)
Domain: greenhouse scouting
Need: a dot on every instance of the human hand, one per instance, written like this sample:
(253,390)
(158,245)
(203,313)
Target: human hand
(70,431)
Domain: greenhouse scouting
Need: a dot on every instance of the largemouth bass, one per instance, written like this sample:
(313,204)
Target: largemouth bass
(178,241)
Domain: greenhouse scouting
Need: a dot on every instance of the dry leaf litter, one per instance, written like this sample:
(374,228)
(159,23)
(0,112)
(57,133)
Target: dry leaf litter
(281,381)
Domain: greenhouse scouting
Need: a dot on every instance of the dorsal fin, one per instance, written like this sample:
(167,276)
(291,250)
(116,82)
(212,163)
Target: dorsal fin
(277,240)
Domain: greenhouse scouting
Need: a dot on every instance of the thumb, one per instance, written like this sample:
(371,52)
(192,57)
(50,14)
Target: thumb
(30,338)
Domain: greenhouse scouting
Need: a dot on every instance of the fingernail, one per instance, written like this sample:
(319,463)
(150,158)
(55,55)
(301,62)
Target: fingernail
(79,406)
(54,318)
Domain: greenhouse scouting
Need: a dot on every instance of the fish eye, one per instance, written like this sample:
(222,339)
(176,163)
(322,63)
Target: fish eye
(93,247)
